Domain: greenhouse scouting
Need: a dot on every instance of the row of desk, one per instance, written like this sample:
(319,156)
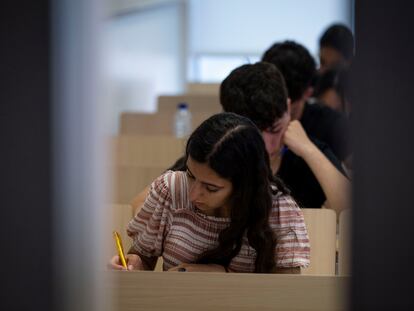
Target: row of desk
(144,149)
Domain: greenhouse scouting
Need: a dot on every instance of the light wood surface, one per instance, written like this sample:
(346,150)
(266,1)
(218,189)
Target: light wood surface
(203,88)
(134,123)
(148,151)
(138,160)
(129,181)
(344,247)
(197,103)
(225,291)
(321,226)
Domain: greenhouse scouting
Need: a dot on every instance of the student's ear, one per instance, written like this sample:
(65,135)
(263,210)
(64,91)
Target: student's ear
(288,103)
(308,93)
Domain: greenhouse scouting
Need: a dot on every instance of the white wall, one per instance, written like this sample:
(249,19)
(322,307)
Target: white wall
(149,49)
(245,27)
(144,56)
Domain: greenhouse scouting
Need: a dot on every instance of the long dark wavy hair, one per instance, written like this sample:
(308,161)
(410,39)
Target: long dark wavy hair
(233,147)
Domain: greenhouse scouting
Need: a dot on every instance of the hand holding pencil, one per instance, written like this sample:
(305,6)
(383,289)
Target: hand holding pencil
(122,261)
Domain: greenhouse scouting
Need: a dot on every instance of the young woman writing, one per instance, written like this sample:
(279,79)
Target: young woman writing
(225,213)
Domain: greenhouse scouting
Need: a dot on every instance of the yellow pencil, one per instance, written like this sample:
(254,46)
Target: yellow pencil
(120,249)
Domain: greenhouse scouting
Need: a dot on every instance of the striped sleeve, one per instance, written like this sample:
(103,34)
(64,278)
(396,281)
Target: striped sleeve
(150,226)
(292,241)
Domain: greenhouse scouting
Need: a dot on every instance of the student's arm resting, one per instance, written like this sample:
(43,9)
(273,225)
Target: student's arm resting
(333,183)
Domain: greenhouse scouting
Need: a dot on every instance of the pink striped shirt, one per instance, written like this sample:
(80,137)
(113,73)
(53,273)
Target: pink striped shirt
(168,225)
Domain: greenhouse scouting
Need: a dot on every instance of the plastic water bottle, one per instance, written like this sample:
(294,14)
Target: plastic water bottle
(182,121)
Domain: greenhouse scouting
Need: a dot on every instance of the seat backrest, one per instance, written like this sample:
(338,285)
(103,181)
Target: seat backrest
(197,103)
(162,123)
(344,244)
(321,226)
(138,160)
(147,151)
(203,88)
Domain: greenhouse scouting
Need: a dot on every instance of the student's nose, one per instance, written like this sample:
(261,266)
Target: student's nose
(195,191)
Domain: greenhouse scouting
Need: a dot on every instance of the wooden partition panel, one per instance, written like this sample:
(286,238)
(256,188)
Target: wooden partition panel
(321,225)
(197,103)
(132,180)
(138,160)
(147,151)
(225,291)
(134,123)
(344,248)
(121,215)
(204,88)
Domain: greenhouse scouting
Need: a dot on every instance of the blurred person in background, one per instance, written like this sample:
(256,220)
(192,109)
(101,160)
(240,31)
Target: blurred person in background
(319,121)
(331,87)
(336,47)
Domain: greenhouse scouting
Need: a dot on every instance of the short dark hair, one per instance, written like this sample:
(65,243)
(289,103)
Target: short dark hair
(256,91)
(296,65)
(340,38)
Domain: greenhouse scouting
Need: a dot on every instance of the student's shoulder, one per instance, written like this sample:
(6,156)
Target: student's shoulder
(285,211)
(167,183)
(284,203)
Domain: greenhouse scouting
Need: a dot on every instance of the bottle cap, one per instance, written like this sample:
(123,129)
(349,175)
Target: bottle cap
(182,106)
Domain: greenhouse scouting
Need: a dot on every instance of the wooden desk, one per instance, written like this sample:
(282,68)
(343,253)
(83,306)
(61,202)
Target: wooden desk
(220,291)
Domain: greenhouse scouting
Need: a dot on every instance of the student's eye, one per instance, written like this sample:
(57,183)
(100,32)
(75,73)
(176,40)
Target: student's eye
(273,130)
(190,175)
(211,189)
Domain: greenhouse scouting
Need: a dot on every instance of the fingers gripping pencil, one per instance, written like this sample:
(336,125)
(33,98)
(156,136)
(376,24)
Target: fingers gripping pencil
(120,249)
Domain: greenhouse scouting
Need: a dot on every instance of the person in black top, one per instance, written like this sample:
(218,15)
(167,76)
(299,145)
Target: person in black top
(307,166)
(336,47)
(331,89)
(323,123)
